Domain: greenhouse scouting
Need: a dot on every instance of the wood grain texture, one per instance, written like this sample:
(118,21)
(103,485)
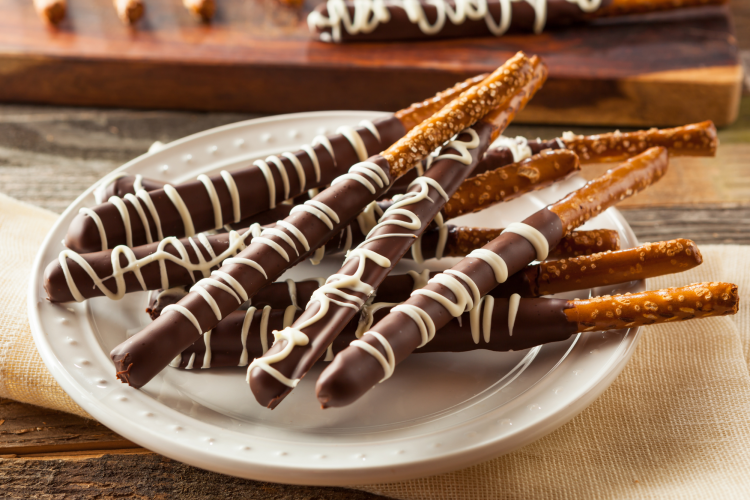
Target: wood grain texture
(142,476)
(257,56)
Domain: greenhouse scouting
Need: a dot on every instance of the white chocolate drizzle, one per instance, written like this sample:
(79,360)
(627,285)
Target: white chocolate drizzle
(246,323)
(207,355)
(189,366)
(388,364)
(368,14)
(498,265)
(179,204)
(513,304)
(292,337)
(518,147)
(263,331)
(533,236)
(141,194)
(368,218)
(488,301)
(237,242)
(366,169)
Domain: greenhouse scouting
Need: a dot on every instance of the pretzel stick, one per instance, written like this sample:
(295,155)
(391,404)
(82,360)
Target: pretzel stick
(547,278)
(504,184)
(457,290)
(273,376)
(524,323)
(579,273)
(81,276)
(279,304)
(213,201)
(202,9)
(245,335)
(129,11)
(52,11)
(309,226)
(697,139)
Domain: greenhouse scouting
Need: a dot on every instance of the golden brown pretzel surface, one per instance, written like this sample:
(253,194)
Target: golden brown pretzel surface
(510,181)
(699,300)
(473,104)
(419,111)
(586,242)
(628,178)
(697,139)
(644,261)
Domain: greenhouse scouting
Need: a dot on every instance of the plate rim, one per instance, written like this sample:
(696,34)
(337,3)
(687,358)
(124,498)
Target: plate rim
(278,472)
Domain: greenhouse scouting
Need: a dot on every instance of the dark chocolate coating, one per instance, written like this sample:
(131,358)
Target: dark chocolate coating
(83,234)
(56,286)
(400,27)
(449,174)
(538,321)
(140,358)
(352,378)
(552,326)
(126,185)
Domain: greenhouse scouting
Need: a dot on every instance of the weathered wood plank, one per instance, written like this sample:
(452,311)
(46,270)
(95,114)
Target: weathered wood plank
(144,476)
(256,54)
(26,429)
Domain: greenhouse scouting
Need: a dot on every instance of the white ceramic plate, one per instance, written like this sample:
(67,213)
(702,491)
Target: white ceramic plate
(439,412)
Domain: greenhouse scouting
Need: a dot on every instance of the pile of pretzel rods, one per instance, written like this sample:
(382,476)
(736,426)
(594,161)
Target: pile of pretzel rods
(211,250)
(383,20)
(128,11)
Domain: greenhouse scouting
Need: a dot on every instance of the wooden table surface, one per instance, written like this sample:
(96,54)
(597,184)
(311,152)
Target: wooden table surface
(49,155)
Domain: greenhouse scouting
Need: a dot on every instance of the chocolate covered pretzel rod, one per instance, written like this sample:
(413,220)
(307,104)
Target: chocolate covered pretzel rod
(273,376)
(347,20)
(457,290)
(697,139)
(210,202)
(245,335)
(239,333)
(552,276)
(459,242)
(517,323)
(123,270)
(351,20)
(308,227)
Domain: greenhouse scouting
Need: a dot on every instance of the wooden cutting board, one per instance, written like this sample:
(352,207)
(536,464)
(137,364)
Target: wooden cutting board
(257,56)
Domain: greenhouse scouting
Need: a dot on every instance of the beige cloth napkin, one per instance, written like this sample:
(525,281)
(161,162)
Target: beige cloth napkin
(675,423)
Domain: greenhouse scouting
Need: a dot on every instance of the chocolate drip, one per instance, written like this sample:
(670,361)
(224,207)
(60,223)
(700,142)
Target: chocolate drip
(449,173)
(252,187)
(226,346)
(400,26)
